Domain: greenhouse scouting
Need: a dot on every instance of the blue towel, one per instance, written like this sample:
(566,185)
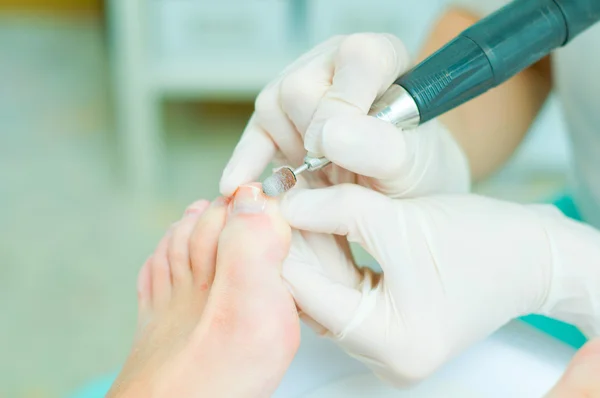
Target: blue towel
(97,388)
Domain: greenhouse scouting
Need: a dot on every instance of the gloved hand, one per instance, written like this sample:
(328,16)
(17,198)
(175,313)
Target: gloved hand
(455,269)
(320,104)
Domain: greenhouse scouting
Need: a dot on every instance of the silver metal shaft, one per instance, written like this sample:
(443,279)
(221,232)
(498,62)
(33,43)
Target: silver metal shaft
(395,106)
(300,169)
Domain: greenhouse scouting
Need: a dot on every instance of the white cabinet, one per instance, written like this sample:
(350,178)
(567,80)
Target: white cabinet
(407,19)
(225,49)
(208,29)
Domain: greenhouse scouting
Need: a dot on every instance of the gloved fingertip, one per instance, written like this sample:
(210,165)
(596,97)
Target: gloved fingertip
(332,134)
(312,140)
(226,187)
(316,327)
(232,177)
(288,203)
(224,182)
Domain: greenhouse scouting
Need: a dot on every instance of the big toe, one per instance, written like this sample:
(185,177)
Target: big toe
(255,240)
(252,247)
(256,228)
(582,378)
(250,318)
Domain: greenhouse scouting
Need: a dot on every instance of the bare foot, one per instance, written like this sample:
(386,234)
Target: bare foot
(215,319)
(582,378)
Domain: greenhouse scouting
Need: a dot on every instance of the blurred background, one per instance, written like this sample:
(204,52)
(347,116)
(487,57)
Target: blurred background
(113,117)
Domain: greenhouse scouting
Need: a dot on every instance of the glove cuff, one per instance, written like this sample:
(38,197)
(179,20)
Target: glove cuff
(574,292)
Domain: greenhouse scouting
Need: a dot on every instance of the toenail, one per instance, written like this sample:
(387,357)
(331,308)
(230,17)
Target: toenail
(248,199)
(221,201)
(197,207)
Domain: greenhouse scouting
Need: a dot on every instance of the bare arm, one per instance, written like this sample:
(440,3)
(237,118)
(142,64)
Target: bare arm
(492,126)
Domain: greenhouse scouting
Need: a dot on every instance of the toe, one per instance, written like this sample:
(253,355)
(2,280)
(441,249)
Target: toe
(203,244)
(178,250)
(144,293)
(256,230)
(252,247)
(160,273)
(250,315)
(582,378)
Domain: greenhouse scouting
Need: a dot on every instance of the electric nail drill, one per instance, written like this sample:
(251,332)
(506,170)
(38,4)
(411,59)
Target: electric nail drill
(480,58)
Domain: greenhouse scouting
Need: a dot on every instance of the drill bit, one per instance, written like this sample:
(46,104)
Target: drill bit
(282,180)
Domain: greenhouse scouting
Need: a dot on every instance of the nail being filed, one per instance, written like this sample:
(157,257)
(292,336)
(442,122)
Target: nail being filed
(248,199)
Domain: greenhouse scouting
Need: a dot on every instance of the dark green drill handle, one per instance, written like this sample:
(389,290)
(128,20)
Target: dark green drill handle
(495,49)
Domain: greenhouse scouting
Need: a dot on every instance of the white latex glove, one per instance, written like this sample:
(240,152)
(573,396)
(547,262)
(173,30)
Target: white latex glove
(455,269)
(320,104)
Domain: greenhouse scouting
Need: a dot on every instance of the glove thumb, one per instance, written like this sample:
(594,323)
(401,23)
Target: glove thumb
(330,304)
(398,163)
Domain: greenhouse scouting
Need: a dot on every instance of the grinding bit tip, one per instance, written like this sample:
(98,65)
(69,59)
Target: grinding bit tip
(282,180)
